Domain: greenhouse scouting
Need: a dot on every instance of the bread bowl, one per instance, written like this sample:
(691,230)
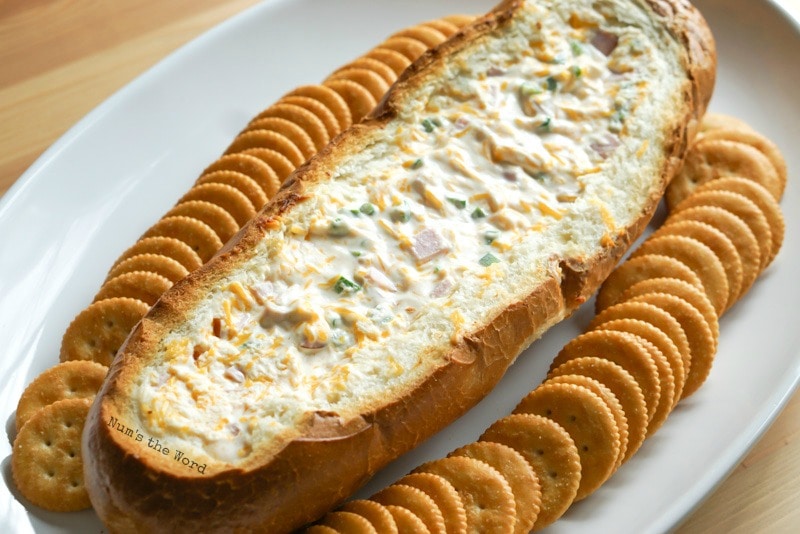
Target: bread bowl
(374,358)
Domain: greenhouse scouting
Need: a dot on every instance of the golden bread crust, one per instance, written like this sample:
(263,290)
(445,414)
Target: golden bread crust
(330,457)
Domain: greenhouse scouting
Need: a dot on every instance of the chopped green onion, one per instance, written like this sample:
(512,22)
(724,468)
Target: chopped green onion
(430,124)
(367,208)
(460,203)
(491,235)
(417,164)
(400,214)
(478,213)
(528,89)
(576,47)
(343,285)
(576,71)
(356,253)
(355,212)
(488,259)
(338,227)
(617,121)
(552,84)
(539,176)
(545,126)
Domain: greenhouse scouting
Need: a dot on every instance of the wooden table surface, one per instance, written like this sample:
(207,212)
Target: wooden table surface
(61,58)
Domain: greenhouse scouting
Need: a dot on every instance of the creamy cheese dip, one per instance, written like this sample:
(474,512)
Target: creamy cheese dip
(486,160)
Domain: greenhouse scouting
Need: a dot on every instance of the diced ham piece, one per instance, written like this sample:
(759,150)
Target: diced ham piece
(427,245)
(273,314)
(605,146)
(235,374)
(264,289)
(313,344)
(442,288)
(380,280)
(605,42)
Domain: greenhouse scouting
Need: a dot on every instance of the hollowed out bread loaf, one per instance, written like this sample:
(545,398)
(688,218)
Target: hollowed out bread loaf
(398,273)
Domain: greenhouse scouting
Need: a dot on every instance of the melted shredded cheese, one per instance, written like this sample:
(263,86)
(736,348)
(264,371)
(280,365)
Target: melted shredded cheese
(495,155)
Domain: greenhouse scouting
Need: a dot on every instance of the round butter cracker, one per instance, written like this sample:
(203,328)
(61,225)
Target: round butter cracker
(406,520)
(328,117)
(219,220)
(709,159)
(287,128)
(625,390)
(267,139)
(159,264)
(320,529)
(347,523)
(225,196)
(366,78)
(423,33)
(140,285)
(760,143)
(714,121)
(742,207)
(239,181)
(681,289)
(377,514)
(518,473)
(408,46)
(444,495)
(359,100)
(378,67)
(549,449)
(310,123)
(330,99)
(487,497)
(46,458)
(666,347)
(443,26)
(635,270)
(762,199)
(416,501)
(590,423)
(253,167)
(735,230)
(720,245)
(668,399)
(276,161)
(195,233)
(99,330)
(652,315)
(391,58)
(78,379)
(165,246)
(608,397)
(459,20)
(701,340)
(623,349)
(699,258)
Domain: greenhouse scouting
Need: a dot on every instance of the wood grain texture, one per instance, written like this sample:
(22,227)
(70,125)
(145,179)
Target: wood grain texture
(61,58)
